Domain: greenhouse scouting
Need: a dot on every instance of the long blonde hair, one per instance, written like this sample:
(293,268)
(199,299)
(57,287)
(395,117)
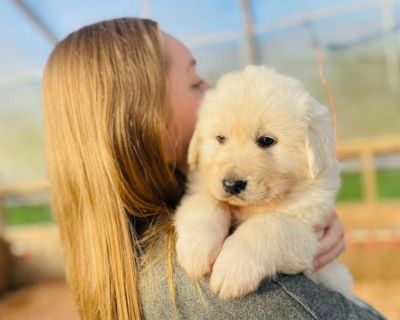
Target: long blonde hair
(112,189)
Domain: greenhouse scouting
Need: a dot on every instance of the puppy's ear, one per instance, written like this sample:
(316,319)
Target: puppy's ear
(320,142)
(193,152)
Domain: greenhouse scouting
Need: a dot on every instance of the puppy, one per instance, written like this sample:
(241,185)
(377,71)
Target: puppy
(261,162)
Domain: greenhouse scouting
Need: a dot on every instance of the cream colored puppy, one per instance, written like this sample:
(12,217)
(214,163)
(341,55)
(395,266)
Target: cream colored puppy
(262,160)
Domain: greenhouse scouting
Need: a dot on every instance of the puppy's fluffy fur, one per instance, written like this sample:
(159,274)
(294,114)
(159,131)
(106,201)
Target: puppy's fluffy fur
(263,129)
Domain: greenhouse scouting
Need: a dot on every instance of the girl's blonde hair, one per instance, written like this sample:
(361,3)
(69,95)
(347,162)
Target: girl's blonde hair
(112,189)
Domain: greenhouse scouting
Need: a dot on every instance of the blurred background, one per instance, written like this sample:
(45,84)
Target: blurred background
(355,42)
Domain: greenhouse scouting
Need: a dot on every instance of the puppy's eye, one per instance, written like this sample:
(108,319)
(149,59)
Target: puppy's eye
(220,139)
(266,142)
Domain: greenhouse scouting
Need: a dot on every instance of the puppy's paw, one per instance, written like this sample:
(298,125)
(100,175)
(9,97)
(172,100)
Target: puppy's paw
(197,254)
(237,271)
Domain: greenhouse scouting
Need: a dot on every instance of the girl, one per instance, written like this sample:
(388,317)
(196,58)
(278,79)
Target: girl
(120,101)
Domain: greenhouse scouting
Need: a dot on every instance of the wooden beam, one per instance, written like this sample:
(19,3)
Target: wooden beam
(23,189)
(362,215)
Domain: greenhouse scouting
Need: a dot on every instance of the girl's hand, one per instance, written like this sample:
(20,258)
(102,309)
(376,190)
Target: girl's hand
(331,241)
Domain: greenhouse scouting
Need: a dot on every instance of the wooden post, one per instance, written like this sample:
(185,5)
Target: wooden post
(5,256)
(369,176)
(2,217)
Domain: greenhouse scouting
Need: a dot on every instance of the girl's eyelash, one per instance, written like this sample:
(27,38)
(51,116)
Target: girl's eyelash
(198,83)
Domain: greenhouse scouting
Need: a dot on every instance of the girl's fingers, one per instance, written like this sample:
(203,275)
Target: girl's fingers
(327,223)
(331,237)
(332,242)
(324,259)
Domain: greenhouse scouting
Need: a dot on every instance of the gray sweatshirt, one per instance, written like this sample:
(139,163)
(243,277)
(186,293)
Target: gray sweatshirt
(285,297)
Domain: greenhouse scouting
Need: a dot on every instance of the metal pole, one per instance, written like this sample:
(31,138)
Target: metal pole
(250,45)
(145,10)
(35,19)
(392,61)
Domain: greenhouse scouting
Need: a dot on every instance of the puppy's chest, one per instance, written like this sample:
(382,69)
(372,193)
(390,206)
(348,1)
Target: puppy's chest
(239,215)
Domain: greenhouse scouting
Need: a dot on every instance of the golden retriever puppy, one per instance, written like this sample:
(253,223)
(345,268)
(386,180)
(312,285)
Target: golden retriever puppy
(261,162)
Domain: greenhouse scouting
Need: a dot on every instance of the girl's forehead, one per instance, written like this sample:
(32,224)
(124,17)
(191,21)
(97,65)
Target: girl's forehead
(177,51)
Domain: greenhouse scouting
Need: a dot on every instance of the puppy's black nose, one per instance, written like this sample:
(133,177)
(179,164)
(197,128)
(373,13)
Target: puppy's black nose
(234,186)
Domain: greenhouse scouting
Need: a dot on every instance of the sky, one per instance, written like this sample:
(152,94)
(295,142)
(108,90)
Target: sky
(24,51)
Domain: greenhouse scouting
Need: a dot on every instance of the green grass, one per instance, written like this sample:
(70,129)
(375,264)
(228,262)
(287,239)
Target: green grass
(351,191)
(20,215)
(388,186)
(351,188)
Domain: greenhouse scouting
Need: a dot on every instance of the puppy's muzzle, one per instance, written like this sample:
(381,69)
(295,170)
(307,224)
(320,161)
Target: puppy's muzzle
(234,186)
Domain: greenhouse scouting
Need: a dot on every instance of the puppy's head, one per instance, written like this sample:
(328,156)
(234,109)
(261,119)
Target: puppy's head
(259,137)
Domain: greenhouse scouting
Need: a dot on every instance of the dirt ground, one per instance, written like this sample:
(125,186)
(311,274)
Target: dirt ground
(44,301)
(383,295)
(52,300)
